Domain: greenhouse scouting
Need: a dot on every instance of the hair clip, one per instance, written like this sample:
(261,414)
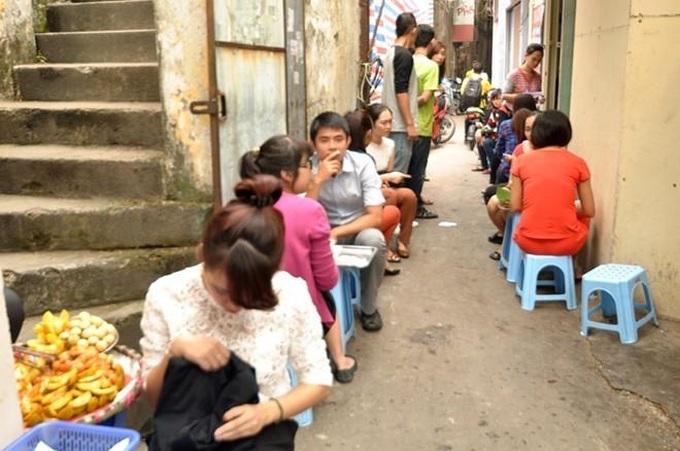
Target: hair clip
(266,201)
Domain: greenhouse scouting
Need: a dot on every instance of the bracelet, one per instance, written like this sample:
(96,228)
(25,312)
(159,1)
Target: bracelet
(278,404)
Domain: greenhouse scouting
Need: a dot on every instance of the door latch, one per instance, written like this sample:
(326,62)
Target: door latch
(216,107)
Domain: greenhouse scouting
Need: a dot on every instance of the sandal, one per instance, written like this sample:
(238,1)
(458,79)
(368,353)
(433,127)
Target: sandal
(478,169)
(393,258)
(346,375)
(402,250)
(495,255)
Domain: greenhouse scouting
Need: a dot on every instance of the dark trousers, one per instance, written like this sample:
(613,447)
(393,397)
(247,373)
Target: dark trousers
(416,169)
(277,437)
(489,146)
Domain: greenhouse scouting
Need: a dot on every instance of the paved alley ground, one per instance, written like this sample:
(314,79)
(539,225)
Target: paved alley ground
(459,365)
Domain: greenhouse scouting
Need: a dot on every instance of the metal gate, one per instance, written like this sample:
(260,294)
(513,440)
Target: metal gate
(256,80)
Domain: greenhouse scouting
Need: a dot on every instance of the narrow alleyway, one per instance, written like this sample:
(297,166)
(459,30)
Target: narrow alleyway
(459,366)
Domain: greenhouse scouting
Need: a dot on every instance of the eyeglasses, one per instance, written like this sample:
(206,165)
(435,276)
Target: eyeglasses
(307,164)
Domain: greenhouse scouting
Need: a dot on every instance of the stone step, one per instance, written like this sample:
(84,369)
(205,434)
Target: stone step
(81,172)
(105,82)
(126,46)
(82,279)
(82,123)
(46,223)
(103,15)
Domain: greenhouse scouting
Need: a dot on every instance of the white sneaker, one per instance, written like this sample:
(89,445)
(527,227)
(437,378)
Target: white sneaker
(415,224)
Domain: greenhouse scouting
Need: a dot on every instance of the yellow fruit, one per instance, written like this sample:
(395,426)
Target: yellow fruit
(55,382)
(105,391)
(60,402)
(81,401)
(51,397)
(88,386)
(64,315)
(33,343)
(93,377)
(64,414)
(93,404)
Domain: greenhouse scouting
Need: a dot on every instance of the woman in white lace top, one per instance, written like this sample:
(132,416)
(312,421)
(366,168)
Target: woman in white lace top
(238,301)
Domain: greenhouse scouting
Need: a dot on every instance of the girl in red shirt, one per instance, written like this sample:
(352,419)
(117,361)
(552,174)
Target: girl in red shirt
(551,188)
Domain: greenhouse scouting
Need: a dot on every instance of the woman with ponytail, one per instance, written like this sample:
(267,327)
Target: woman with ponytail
(307,251)
(237,302)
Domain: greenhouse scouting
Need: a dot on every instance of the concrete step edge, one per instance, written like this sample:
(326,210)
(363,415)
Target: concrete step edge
(143,31)
(76,154)
(154,107)
(112,65)
(42,205)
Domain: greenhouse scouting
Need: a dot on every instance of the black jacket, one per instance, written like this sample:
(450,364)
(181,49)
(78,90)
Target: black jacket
(192,404)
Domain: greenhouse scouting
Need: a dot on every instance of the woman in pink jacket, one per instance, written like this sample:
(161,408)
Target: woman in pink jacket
(307,252)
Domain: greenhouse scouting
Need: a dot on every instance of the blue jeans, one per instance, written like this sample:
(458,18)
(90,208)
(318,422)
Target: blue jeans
(403,148)
(421,153)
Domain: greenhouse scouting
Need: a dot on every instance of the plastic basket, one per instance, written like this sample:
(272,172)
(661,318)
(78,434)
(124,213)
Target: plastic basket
(67,436)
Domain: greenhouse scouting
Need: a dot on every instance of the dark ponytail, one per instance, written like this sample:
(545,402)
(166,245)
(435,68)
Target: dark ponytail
(245,240)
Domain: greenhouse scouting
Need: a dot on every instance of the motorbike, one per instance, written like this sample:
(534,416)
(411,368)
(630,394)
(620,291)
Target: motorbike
(443,124)
(473,120)
(451,89)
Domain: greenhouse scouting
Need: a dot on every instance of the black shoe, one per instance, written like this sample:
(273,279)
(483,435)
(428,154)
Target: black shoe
(424,213)
(372,322)
(345,376)
(392,271)
(496,239)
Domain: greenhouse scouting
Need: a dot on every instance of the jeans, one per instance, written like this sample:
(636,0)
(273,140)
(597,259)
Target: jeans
(421,153)
(403,148)
(489,148)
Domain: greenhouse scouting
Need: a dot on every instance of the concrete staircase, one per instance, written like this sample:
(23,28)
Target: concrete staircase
(85,221)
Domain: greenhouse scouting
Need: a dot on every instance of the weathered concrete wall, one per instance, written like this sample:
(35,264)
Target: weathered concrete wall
(332,51)
(625,123)
(17,44)
(182,45)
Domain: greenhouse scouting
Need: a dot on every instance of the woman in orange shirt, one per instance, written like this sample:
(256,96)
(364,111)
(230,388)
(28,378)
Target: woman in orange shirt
(545,185)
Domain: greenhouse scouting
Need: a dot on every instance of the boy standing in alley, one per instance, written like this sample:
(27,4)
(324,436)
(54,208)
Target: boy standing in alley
(400,90)
(349,188)
(427,73)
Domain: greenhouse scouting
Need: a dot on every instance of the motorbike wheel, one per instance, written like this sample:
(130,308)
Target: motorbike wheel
(470,137)
(454,108)
(447,128)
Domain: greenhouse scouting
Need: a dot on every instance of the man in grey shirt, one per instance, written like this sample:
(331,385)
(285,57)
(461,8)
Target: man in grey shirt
(400,91)
(349,188)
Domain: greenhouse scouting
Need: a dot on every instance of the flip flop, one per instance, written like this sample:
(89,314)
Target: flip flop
(478,169)
(393,258)
(495,255)
(403,251)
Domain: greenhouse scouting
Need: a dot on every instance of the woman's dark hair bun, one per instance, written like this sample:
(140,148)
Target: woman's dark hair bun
(259,191)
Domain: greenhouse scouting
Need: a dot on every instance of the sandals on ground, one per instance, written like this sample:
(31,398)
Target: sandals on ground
(495,255)
(393,258)
(402,250)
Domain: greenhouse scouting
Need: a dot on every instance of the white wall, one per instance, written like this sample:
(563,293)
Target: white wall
(11,425)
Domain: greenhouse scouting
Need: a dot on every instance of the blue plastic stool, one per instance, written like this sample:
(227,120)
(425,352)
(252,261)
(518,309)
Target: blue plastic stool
(562,269)
(616,284)
(305,417)
(511,254)
(354,275)
(343,295)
